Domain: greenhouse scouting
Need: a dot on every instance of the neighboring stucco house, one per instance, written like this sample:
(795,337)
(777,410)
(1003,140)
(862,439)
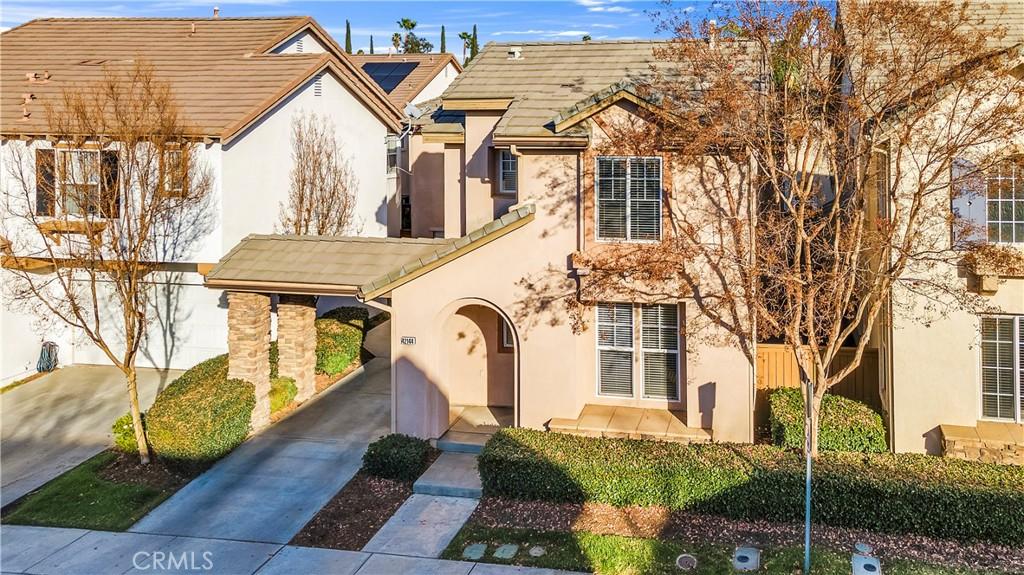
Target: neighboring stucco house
(956,381)
(238,82)
(508,190)
(408,79)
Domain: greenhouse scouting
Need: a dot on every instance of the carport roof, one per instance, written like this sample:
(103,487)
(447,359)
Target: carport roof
(314,264)
(341,265)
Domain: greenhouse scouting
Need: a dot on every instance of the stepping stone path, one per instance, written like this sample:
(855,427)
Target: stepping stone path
(507,551)
(537,551)
(474,552)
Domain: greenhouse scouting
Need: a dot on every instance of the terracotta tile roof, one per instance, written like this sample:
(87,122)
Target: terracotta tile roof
(222,74)
(404,75)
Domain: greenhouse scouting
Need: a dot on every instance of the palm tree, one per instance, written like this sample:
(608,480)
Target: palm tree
(396,41)
(466,39)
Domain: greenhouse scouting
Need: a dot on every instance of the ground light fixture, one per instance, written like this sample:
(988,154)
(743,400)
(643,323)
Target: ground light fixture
(686,562)
(862,563)
(746,559)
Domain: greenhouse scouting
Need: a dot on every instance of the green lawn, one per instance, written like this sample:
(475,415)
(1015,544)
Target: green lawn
(80,498)
(611,554)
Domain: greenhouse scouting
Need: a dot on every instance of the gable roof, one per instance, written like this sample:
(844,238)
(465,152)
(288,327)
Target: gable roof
(553,81)
(403,76)
(221,70)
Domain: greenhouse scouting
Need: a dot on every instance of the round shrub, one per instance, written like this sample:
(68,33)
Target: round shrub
(844,424)
(282,391)
(397,456)
(201,416)
(124,433)
(339,339)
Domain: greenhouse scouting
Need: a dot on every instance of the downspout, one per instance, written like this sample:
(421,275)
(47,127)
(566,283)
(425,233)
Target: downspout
(753,367)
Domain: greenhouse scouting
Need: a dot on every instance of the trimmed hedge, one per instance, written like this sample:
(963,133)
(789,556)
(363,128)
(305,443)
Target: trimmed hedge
(201,416)
(397,456)
(844,424)
(282,391)
(893,493)
(339,339)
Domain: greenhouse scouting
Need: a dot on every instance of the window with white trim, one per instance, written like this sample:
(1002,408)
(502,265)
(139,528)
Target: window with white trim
(508,173)
(659,345)
(1002,367)
(1005,190)
(78,180)
(615,349)
(628,191)
(393,145)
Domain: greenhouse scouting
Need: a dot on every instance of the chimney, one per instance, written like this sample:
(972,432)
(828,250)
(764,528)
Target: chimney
(216,12)
(712,33)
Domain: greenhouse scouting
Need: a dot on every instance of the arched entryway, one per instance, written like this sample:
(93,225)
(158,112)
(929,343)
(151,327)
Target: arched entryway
(479,367)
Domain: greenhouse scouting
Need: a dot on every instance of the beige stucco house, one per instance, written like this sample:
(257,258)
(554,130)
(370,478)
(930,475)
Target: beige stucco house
(503,172)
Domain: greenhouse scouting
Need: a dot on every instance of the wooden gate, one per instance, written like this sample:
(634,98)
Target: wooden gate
(777,368)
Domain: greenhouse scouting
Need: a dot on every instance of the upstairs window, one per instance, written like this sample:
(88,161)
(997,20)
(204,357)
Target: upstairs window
(990,205)
(77,182)
(508,173)
(1002,367)
(1005,202)
(173,174)
(393,146)
(628,194)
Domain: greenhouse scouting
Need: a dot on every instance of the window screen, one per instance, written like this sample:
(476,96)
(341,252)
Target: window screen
(659,337)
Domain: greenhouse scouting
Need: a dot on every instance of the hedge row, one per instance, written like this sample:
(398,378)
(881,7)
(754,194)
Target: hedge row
(894,493)
(844,424)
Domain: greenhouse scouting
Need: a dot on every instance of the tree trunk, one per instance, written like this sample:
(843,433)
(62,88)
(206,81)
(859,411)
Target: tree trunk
(133,400)
(815,423)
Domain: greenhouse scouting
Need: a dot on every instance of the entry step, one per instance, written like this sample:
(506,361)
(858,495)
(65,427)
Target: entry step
(451,475)
(462,442)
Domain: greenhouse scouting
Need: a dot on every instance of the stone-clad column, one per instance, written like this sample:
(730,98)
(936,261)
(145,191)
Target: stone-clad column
(296,342)
(249,348)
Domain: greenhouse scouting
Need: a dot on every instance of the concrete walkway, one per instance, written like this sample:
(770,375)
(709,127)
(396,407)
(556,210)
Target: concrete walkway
(268,488)
(54,551)
(61,419)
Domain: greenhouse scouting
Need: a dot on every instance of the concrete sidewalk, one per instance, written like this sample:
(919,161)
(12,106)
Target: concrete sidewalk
(270,486)
(53,551)
(63,418)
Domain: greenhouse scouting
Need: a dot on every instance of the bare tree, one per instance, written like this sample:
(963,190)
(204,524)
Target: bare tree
(88,219)
(322,196)
(823,158)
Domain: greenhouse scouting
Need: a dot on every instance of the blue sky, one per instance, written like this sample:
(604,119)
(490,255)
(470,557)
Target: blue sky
(495,20)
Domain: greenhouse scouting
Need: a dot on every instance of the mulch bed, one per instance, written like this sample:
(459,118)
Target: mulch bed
(127,469)
(660,523)
(355,514)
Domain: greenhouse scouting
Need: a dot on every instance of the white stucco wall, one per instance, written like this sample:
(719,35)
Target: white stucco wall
(257,163)
(437,85)
(304,43)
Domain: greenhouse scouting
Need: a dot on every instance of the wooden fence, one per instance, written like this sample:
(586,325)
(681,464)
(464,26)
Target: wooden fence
(777,368)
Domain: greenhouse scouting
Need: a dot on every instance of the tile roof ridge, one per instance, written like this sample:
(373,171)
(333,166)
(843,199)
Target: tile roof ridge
(160,18)
(577,42)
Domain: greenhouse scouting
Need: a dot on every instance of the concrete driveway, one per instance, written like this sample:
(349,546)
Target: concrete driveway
(61,419)
(269,487)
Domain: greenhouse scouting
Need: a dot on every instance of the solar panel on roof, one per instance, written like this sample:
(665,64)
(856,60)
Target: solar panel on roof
(389,75)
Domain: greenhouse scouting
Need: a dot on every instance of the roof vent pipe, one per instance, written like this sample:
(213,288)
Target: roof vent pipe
(515,52)
(216,12)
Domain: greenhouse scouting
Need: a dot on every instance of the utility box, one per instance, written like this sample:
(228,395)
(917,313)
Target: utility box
(746,559)
(865,565)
